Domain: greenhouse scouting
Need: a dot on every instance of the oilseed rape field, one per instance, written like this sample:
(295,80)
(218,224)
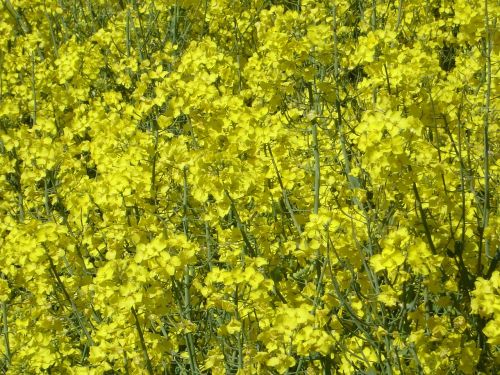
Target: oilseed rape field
(249,187)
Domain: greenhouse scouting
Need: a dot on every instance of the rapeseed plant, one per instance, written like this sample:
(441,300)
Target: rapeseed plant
(249,187)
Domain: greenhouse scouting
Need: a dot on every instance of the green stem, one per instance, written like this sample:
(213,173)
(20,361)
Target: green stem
(79,316)
(21,22)
(187,279)
(317,175)
(127,33)
(283,190)
(486,141)
(149,366)
(240,226)
(52,34)
(353,181)
(424,219)
(6,334)
(239,337)
(1,74)
(33,85)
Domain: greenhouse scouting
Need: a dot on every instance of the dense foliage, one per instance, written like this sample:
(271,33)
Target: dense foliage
(254,186)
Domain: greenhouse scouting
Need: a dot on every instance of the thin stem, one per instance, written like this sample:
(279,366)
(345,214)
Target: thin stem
(52,34)
(187,279)
(46,198)
(127,33)
(315,147)
(317,175)
(21,22)
(400,14)
(154,192)
(125,362)
(80,317)
(283,190)
(353,181)
(6,334)
(373,23)
(185,204)
(209,246)
(240,226)
(33,85)
(424,219)
(238,57)
(1,74)
(486,149)
(20,203)
(149,366)
(239,337)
